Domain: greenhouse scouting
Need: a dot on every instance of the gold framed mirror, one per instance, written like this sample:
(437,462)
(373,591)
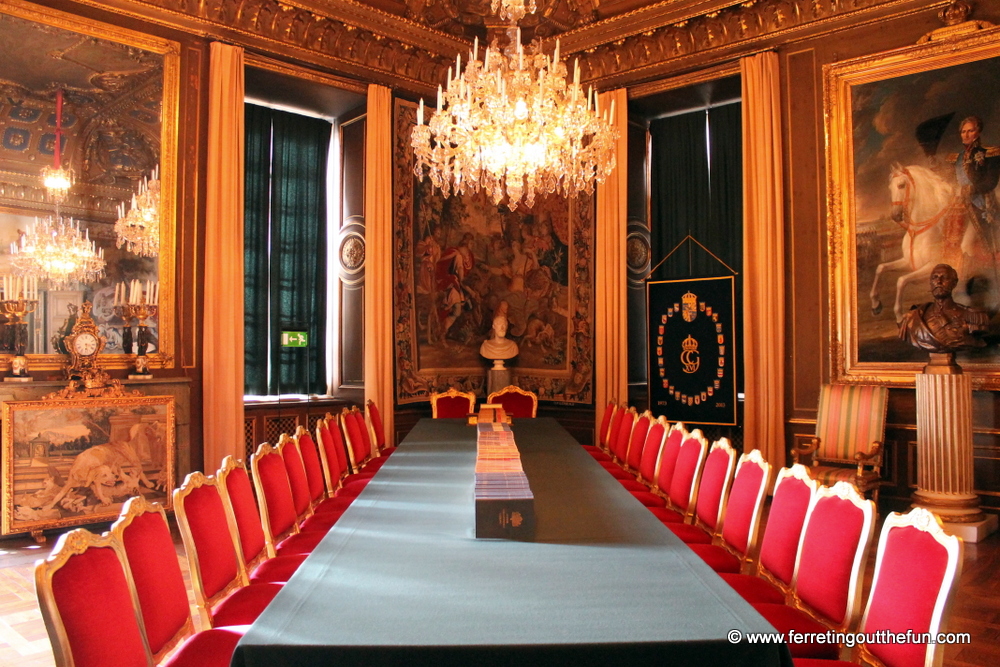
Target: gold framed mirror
(111,97)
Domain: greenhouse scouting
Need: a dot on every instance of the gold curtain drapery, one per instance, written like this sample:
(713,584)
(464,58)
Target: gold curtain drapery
(763,260)
(610,303)
(222,342)
(378,256)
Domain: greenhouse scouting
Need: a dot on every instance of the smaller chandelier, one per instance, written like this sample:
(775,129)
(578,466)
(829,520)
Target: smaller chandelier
(138,230)
(513,10)
(56,179)
(55,250)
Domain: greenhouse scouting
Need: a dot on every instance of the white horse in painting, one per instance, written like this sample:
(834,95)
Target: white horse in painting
(921,201)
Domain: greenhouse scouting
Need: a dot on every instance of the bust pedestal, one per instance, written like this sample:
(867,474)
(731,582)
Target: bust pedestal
(944,449)
(497,377)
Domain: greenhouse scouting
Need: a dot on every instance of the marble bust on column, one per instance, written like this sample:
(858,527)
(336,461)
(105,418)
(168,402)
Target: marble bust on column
(498,348)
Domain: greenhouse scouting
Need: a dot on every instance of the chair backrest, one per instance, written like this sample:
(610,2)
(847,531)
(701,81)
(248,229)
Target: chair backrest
(375,423)
(289,450)
(332,451)
(850,418)
(616,424)
(655,437)
(89,604)
(602,435)
(516,402)
(793,495)
(716,475)
(207,533)
(684,485)
(270,479)
(311,462)
(619,447)
(237,494)
(833,551)
(741,513)
(637,441)
(452,404)
(355,446)
(366,438)
(916,572)
(667,463)
(143,531)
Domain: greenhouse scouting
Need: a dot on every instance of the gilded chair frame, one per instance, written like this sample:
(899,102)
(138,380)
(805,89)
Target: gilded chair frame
(925,521)
(844,491)
(723,444)
(452,393)
(333,477)
(753,457)
(511,389)
(133,508)
(70,544)
(356,466)
(229,464)
(696,479)
(285,441)
(630,414)
(678,426)
(662,420)
(196,480)
(272,540)
(801,473)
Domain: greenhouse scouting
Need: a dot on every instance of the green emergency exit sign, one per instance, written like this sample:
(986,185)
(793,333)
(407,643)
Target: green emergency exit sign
(294,339)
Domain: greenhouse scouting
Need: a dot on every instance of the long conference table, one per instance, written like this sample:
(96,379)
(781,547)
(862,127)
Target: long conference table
(402,580)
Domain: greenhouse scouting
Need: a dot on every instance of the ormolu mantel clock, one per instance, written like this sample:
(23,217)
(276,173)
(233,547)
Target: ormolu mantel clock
(84,343)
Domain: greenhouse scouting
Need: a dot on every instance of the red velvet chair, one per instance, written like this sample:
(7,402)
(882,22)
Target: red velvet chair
(516,402)
(259,559)
(299,483)
(382,446)
(599,450)
(683,491)
(715,479)
(452,404)
(619,444)
(143,531)
(309,454)
(916,572)
(636,442)
(358,443)
(340,481)
(221,588)
(829,570)
(793,495)
(741,517)
(651,450)
(278,517)
(666,462)
(373,460)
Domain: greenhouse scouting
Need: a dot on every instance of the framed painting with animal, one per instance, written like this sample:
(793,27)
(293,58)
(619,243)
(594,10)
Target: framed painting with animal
(69,462)
(913,165)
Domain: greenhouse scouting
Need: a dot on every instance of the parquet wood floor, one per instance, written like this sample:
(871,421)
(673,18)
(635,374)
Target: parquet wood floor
(24,642)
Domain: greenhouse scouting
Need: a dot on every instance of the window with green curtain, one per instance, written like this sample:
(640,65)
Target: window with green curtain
(285,250)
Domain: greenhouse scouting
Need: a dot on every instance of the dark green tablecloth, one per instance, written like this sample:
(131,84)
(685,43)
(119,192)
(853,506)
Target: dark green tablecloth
(401,579)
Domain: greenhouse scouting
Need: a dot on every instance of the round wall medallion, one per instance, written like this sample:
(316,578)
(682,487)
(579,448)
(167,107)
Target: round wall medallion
(637,251)
(352,252)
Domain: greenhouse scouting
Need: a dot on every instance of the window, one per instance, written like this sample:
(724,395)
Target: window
(285,251)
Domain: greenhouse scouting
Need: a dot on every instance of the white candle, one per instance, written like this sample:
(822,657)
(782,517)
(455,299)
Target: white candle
(420,112)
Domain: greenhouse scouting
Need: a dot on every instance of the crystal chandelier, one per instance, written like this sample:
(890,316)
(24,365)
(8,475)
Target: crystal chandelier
(56,250)
(513,10)
(57,179)
(138,230)
(513,125)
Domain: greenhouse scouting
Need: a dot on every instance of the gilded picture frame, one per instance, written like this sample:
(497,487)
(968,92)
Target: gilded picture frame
(72,462)
(22,196)
(896,205)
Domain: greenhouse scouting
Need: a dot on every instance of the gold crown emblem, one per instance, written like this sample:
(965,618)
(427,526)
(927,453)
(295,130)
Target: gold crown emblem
(689,344)
(690,299)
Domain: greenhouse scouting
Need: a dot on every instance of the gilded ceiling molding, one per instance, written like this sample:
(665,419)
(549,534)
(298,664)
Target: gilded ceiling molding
(744,27)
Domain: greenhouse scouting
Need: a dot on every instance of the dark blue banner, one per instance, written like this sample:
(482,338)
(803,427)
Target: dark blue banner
(692,361)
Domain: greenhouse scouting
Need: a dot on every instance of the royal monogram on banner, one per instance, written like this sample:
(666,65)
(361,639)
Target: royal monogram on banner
(692,351)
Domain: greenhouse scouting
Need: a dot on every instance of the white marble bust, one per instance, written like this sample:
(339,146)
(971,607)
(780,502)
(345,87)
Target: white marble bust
(499,346)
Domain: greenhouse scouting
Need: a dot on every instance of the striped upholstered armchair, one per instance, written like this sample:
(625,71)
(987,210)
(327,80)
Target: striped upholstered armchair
(850,428)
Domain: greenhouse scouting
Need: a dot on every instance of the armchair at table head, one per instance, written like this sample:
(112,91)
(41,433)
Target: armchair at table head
(452,404)
(849,418)
(516,402)
(89,604)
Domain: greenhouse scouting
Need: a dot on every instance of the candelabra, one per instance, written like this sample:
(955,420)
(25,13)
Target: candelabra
(16,310)
(133,302)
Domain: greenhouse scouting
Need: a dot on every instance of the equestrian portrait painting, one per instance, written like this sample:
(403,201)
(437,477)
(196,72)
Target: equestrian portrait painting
(914,167)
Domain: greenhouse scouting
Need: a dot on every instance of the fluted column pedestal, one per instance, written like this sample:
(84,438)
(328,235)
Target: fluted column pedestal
(944,446)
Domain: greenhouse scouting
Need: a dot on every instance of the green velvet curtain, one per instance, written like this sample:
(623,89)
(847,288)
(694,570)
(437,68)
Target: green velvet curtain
(285,250)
